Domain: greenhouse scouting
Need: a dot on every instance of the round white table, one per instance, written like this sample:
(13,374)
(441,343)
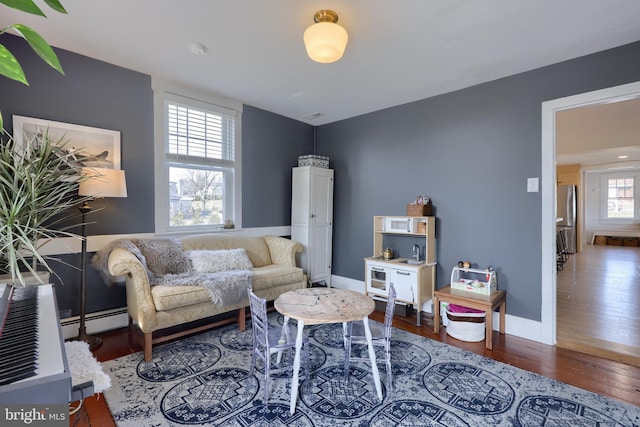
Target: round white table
(313,306)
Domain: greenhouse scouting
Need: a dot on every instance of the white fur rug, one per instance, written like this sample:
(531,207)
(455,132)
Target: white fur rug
(84,367)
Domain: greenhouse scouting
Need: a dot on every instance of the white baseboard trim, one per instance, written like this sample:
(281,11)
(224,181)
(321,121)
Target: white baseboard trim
(517,326)
(96,322)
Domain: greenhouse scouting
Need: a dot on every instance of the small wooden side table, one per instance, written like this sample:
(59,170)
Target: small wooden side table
(486,303)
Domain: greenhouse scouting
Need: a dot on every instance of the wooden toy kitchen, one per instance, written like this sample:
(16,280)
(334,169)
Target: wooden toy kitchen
(414,277)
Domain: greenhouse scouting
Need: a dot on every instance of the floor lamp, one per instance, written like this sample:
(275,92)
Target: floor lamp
(97,183)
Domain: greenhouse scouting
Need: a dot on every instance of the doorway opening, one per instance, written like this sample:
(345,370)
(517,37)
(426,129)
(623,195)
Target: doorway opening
(548,331)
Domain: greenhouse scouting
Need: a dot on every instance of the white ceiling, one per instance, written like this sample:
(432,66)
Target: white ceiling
(599,134)
(398,52)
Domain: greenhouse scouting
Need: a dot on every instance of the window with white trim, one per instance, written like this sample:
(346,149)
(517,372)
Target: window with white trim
(198,165)
(619,200)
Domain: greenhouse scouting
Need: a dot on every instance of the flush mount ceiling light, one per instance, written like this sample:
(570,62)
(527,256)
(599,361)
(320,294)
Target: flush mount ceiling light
(325,40)
(198,49)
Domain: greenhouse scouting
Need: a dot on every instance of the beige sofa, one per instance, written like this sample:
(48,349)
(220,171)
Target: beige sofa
(154,308)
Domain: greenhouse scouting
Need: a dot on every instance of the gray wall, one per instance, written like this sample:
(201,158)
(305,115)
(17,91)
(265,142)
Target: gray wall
(271,146)
(471,151)
(94,93)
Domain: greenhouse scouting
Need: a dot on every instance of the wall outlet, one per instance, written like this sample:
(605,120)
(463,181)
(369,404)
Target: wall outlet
(533,185)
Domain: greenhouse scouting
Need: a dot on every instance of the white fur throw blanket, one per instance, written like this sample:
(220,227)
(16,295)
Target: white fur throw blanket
(224,287)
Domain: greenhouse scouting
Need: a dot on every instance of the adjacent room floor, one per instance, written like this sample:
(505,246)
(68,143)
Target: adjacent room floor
(598,305)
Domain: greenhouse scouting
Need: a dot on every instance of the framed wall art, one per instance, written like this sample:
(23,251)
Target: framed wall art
(93,147)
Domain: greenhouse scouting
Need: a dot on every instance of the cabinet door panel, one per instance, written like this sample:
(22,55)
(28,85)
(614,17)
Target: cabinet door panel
(301,203)
(405,283)
(322,199)
(376,278)
(320,263)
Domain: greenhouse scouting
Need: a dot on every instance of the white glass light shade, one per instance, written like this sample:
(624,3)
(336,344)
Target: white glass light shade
(102,182)
(325,42)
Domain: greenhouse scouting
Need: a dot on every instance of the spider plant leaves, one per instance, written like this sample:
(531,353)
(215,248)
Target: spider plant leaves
(38,189)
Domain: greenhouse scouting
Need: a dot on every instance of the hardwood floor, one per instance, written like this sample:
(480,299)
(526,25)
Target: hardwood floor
(608,377)
(598,305)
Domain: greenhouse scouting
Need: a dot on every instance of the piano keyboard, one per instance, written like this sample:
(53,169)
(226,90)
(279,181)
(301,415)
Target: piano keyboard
(18,332)
(33,365)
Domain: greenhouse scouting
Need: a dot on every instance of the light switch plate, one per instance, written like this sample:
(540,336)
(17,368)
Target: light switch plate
(532,185)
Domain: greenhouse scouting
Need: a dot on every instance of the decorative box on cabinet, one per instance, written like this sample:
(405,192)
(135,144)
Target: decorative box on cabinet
(312,220)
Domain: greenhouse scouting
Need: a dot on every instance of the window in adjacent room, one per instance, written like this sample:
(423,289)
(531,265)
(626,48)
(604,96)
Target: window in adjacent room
(620,198)
(199,165)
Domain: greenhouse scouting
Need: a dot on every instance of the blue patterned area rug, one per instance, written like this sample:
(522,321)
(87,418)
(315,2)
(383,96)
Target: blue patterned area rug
(204,380)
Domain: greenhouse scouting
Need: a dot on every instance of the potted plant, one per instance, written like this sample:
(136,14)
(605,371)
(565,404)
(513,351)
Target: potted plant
(39,182)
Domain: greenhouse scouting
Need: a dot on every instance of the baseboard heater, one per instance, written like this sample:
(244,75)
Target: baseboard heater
(95,322)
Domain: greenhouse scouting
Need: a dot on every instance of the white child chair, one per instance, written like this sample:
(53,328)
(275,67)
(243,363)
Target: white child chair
(380,335)
(269,341)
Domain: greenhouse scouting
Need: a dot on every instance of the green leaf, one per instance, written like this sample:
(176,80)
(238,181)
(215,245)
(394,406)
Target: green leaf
(24,5)
(55,5)
(9,66)
(39,46)
(1,124)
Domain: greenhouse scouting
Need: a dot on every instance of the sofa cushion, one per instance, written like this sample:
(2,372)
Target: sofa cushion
(214,261)
(256,247)
(168,297)
(275,275)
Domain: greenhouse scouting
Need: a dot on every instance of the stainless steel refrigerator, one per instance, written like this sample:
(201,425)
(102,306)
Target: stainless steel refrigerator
(566,209)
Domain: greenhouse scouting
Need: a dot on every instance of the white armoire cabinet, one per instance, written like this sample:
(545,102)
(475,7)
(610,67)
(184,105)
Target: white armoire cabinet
(312,220)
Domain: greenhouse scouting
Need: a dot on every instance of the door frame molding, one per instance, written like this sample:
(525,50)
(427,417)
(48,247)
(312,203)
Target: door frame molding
(548,188)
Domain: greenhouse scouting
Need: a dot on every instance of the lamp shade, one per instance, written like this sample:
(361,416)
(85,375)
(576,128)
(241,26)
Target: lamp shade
(325,40)
(102,182)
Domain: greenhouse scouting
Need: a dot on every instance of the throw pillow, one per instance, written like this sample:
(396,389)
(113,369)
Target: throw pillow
(212,261)
(163,256)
